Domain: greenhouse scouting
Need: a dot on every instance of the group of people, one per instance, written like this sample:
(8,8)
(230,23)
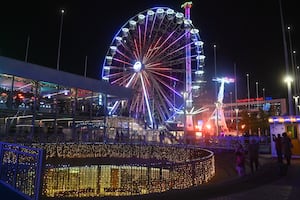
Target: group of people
(283,146)
(253,152)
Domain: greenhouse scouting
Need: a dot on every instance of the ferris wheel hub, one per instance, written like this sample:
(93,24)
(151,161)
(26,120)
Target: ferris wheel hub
(137,66)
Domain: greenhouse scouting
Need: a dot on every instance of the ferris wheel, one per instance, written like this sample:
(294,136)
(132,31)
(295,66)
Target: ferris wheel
(149,55)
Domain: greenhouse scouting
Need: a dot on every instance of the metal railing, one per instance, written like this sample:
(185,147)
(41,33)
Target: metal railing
(21,169)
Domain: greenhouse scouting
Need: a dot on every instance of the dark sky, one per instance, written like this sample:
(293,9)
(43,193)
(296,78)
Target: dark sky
(247,33)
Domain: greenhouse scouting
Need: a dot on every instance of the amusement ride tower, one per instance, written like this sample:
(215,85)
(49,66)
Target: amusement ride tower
(218,114)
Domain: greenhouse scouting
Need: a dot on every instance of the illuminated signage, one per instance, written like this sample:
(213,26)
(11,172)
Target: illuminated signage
(250,100)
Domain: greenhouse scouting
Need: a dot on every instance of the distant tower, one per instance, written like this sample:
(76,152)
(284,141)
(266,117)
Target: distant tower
(188,66)
(218,114)
(188,74)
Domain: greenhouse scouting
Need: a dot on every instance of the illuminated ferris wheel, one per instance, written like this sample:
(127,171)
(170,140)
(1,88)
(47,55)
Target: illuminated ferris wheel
(149,54)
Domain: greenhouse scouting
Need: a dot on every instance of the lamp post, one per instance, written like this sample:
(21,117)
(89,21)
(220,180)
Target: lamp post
(298,79)
(264,94)
(185,95)
(256,86)
(59,40)
(296,98)
(231,106)
(236,121)
(215,63)
(248,92)
(288,80)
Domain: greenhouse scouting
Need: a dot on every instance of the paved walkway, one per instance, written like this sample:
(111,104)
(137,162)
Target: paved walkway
(7,193)
(264,184)
(267,184)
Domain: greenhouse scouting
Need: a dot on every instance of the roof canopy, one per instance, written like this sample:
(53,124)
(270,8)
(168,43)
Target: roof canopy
(40,73)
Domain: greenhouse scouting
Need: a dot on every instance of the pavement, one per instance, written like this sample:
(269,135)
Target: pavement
(264,184)
(267,183)
(9,194)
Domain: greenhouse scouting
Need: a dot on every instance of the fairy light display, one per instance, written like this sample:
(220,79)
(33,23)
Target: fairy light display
(154,169)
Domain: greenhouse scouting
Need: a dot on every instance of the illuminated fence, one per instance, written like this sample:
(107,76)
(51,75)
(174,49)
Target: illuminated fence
(21,169)
(154,168)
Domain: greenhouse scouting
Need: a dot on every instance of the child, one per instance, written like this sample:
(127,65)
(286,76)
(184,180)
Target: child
(240,160)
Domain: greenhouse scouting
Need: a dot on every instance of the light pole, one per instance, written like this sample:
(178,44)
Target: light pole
(59,40)
(231,106)
(296,98)
(264,94)
(215,62)
(298,79)
(185,95)
(292,57)
(256,86)
(248,92)
(236,121)
(27,48)
(288,80)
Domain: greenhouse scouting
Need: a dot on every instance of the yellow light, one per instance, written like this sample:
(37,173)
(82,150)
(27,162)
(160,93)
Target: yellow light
(198,134)
(208,126)
(293,119)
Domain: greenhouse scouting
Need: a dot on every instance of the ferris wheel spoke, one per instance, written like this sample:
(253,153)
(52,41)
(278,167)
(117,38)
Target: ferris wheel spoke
(123,62)
(174,53)
(152,49)
(158,57)
(165,76)
(145,91)
(140,42)
(124,55)
(145,31)
(123,80)
(168,86)
(163,100)
(127,50)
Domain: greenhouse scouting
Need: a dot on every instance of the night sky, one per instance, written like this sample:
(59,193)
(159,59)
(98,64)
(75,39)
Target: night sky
(247,33)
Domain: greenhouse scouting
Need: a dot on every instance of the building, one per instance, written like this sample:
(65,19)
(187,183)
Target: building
(49,100)
(233,114)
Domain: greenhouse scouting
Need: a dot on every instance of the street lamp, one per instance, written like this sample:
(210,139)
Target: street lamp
(296,98)
(256,86)
(231,106)
(248,92)
(59,40)
(288,80)
(264,94)
(185,96)
(215,62)
(236,121)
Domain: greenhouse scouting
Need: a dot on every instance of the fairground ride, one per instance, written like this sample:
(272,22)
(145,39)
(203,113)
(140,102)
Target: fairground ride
(159,54)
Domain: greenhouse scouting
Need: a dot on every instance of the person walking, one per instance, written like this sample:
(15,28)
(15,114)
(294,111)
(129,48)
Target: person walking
(240,160)
(278,146)
(253,151)
(287,148)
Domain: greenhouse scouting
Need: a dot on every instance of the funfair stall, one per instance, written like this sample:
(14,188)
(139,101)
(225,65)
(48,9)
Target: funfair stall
(290,125)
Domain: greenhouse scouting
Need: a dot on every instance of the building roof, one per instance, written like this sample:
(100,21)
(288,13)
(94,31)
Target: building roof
(41,73)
